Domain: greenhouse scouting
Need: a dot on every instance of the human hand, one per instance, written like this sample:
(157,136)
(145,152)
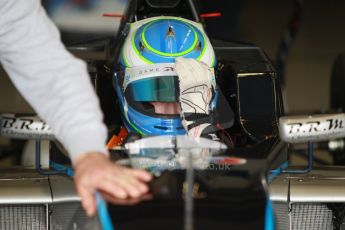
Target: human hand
(95,171)
(126,202)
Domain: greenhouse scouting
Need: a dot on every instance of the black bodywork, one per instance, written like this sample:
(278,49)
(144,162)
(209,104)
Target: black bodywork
(228,198)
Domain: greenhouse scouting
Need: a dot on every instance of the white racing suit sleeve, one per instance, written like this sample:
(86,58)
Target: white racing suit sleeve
(55,83)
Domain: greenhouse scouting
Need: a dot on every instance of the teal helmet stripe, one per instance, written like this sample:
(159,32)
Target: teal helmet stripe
(163,59)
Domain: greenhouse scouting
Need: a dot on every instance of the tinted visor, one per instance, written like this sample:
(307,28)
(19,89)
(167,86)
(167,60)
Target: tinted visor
(153,89)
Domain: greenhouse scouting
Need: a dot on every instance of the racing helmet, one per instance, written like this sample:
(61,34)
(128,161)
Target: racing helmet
(147,84)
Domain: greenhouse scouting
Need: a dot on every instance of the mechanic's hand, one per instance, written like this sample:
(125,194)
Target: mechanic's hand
(95,171)
(127,202)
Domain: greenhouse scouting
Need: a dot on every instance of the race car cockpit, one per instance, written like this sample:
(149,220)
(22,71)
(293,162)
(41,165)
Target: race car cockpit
(199,183)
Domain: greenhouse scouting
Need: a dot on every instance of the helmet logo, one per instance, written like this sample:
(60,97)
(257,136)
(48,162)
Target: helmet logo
(170,32)
(141,46)
(148,70)
(167,69)
(199,47)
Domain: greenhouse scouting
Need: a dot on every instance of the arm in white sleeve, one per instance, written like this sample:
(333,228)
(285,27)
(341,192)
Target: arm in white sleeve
(55,83)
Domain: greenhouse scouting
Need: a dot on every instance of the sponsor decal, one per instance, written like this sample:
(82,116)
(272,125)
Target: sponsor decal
(152,70)
(148,71)
(316,126)
(156,70)
(25,127)
(312,128)
(167,69)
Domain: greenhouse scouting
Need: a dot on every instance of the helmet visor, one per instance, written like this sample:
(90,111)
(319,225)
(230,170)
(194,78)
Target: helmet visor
(152,83)
(153,89)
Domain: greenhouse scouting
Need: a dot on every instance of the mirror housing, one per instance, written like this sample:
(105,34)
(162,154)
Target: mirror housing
(24,127)
(321,127)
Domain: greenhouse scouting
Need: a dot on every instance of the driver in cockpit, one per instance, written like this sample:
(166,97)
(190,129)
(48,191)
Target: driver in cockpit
(167,84)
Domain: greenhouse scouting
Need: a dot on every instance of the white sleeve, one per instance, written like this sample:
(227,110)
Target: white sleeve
(55,83)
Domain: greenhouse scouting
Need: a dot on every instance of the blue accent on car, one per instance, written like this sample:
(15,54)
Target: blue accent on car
(103,214)
(269,216)
(275,172)
(102,210)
